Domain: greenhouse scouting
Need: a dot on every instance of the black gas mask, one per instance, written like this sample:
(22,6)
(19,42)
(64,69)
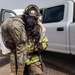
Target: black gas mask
(30,22)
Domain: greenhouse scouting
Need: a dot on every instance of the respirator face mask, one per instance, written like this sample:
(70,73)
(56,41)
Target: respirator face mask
(30,23)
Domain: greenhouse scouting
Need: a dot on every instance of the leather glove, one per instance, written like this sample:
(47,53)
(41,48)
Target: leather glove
(39,45)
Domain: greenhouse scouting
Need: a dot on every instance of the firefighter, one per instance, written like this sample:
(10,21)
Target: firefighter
(36,40)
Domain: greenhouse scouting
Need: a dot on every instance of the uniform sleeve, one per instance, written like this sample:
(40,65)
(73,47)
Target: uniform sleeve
(7,40)
(43,32)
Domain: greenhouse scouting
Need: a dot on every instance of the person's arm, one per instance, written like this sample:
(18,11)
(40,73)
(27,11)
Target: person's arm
(43,30)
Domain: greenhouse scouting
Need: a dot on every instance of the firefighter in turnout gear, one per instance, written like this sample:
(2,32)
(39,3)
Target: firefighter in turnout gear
(36,40)
(23,35)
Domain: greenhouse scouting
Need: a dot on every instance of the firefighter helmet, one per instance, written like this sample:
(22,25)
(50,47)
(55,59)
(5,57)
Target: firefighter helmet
(32,10)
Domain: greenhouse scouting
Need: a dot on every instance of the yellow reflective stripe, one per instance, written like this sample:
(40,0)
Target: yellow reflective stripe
(45,42)
(33,60)
(35,57)
(44,45)
(45,39)
(29,47)
(26,9)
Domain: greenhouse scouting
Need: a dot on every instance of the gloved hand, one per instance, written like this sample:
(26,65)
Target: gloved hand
(39,45)
(36,48)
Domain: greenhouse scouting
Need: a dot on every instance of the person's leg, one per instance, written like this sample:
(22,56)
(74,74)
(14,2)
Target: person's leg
(20,63)
(13,63)
(35,69)
(17,61)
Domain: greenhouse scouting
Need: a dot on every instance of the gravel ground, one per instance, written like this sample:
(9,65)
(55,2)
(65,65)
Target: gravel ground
(5,67)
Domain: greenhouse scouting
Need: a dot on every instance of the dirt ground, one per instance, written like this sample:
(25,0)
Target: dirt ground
(5,68)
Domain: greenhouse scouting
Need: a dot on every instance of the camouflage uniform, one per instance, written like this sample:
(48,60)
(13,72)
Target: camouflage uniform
(14,37)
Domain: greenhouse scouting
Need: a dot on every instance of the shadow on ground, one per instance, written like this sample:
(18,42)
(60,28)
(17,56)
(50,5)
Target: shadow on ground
(4,59)
(61,62)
